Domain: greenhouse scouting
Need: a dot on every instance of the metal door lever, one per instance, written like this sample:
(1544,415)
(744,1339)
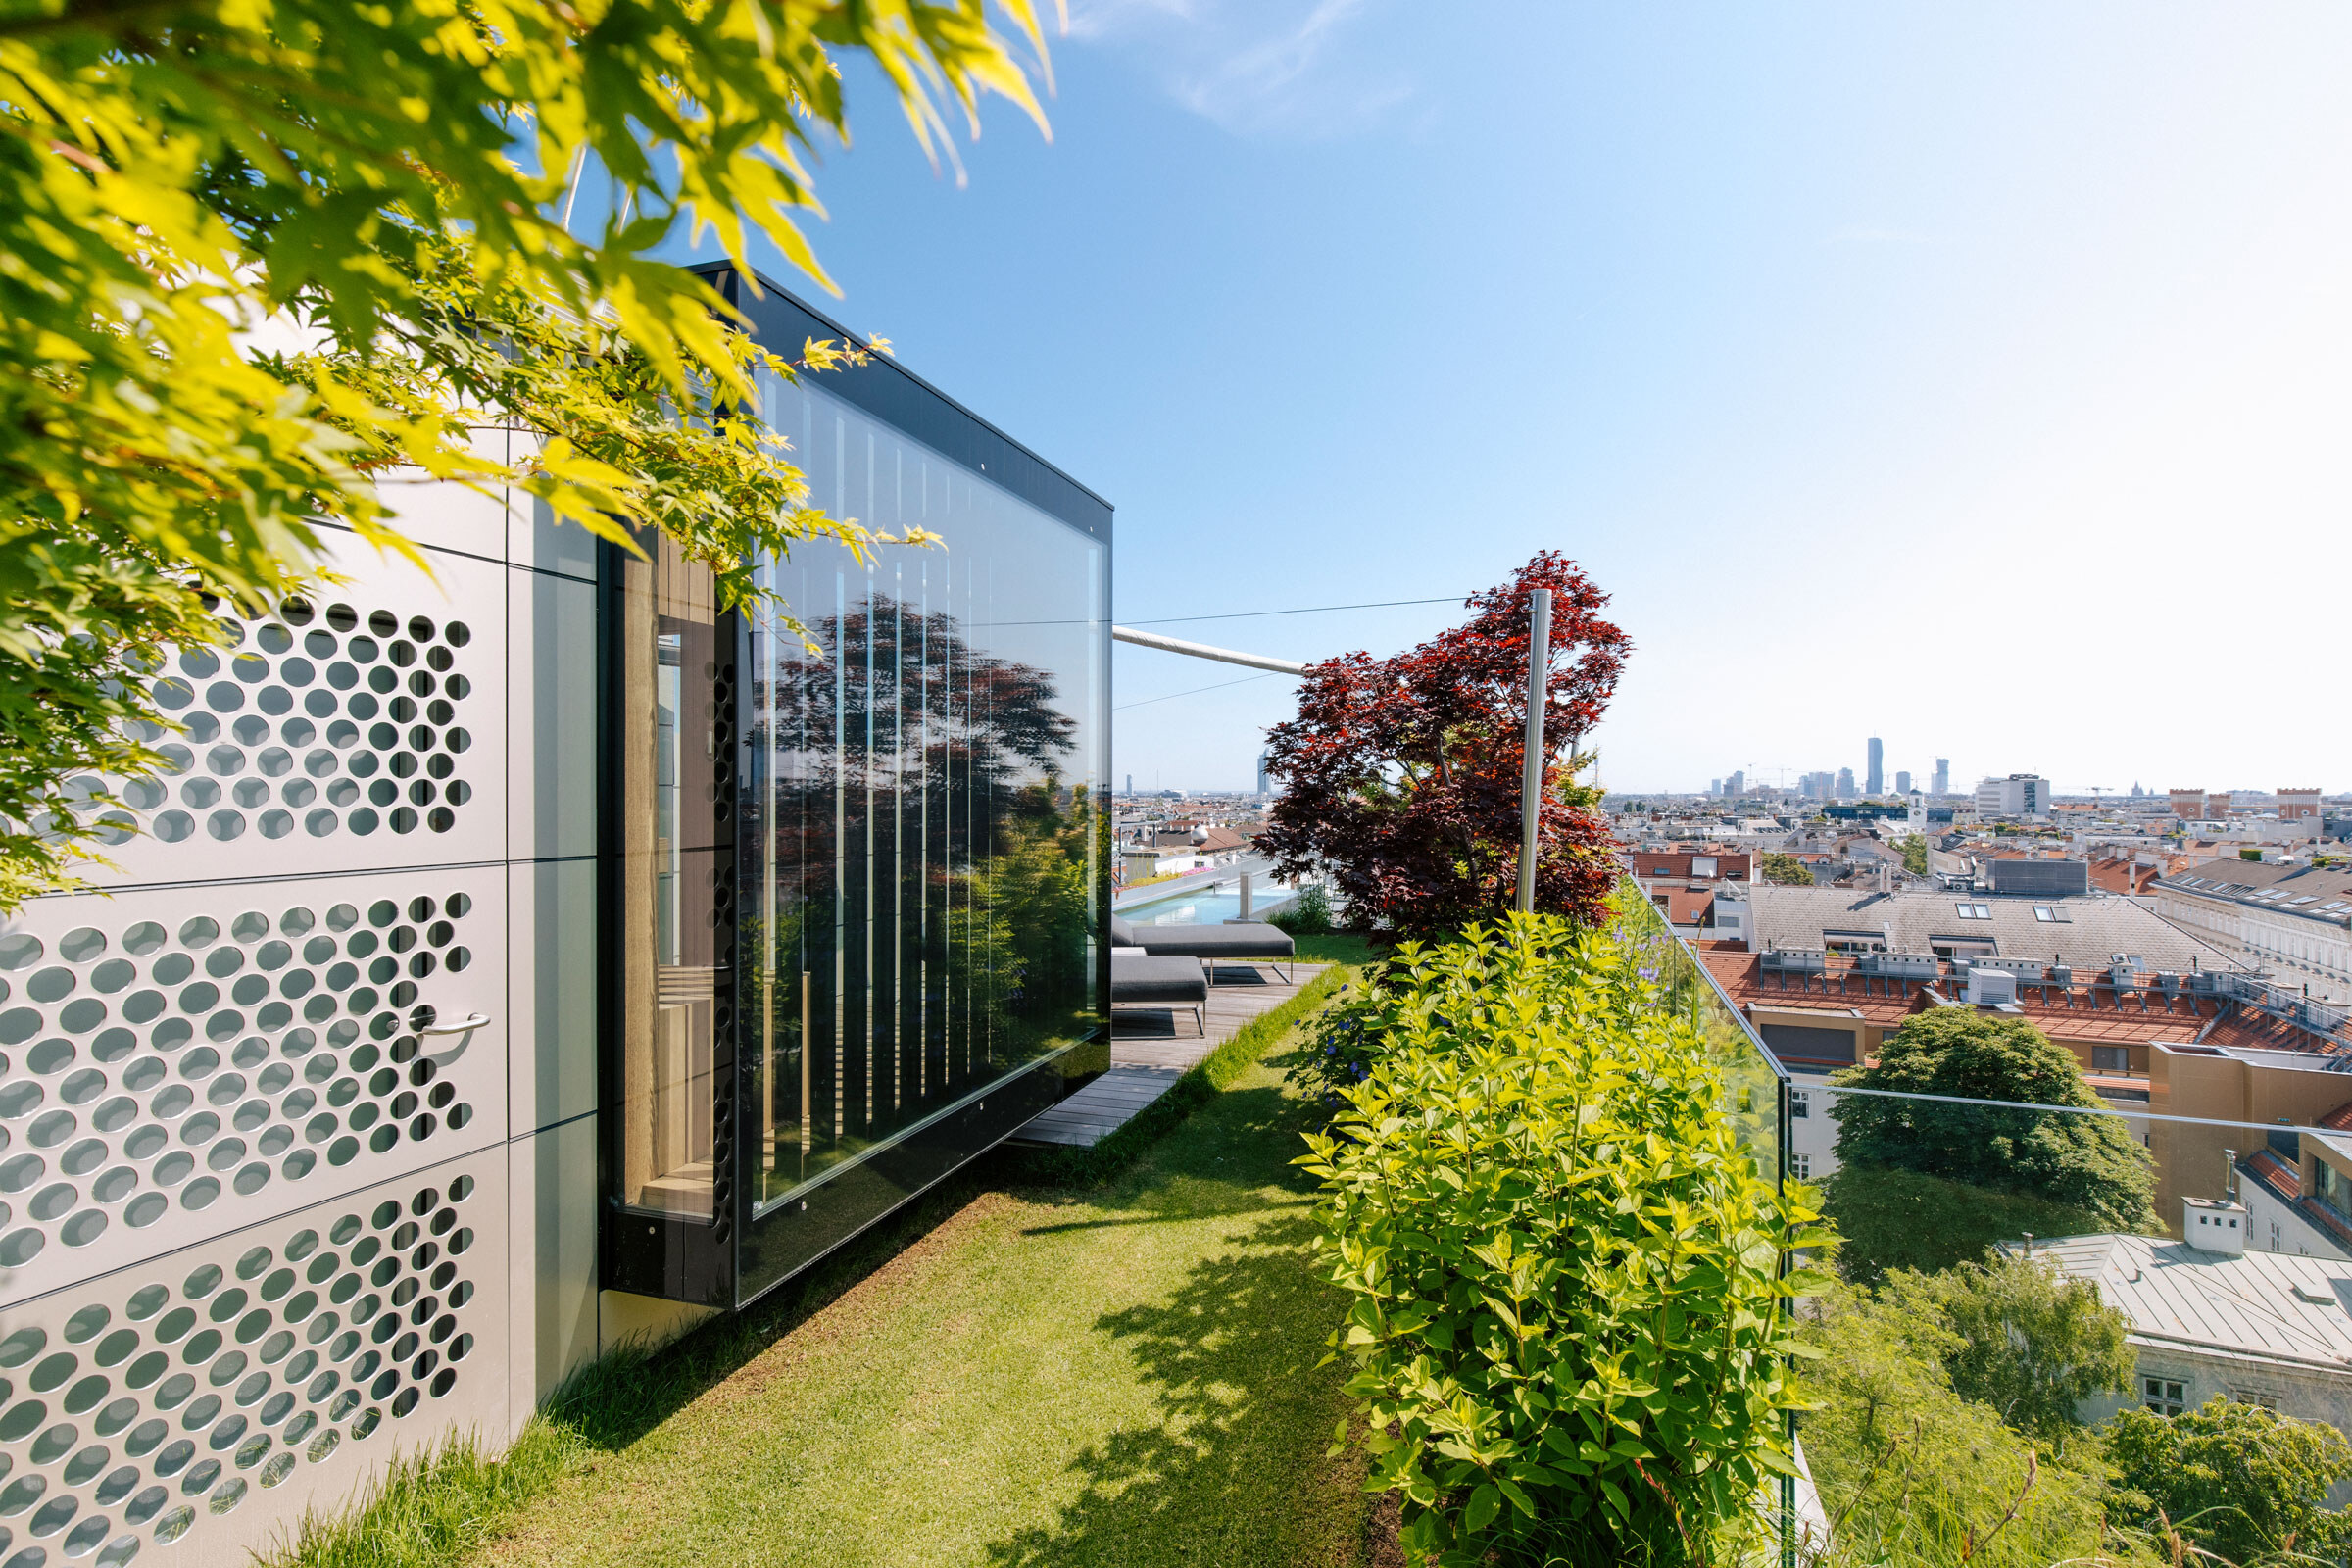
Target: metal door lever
(459,1026)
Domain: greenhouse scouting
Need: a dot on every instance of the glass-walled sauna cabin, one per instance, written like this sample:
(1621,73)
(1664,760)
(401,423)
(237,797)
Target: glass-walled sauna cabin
(853,856)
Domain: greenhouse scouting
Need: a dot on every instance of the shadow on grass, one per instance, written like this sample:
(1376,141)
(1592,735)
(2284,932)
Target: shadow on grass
(433,1507)
(1234,1469)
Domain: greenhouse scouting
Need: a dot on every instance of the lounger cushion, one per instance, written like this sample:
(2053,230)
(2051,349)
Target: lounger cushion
(1122,935)
(1136,976)
(1249,938)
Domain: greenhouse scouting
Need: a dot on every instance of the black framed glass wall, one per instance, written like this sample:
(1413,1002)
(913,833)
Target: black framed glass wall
(854,851)
(922,842)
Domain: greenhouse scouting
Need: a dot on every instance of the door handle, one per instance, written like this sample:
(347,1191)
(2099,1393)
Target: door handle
(459,1026)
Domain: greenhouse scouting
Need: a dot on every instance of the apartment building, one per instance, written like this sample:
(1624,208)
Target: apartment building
(2208,1318)
(2020,795)
(2292,919)
(1682,882)
(2198,805)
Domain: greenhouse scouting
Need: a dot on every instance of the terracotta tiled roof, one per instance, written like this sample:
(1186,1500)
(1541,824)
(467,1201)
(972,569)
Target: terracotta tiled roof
(1887,1003)
(2338,1119)
(2274,1173)
(2249,1030)
(2121,873)
(1677,862)
(1687,906)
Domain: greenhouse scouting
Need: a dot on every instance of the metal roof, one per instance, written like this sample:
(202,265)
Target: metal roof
(2087,932)
(2322,892)
(2250,1306)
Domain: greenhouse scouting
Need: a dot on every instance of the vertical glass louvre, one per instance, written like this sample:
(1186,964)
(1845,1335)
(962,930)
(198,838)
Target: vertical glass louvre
(921,828)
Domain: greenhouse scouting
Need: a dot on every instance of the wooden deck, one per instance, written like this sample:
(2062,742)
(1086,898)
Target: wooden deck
(1150,1047)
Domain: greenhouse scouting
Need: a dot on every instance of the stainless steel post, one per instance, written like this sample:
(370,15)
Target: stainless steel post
(1530,779)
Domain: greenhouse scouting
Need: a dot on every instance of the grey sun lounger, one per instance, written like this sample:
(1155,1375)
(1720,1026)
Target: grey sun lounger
(1138,976)
(1245,942)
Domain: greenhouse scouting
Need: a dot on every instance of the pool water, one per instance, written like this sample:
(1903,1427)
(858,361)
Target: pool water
(1210,906)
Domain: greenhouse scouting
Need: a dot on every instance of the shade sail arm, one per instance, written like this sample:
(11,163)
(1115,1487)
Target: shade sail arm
(1223,656)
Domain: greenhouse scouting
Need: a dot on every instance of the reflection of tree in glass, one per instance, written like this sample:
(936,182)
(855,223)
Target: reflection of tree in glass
(921,710)
(1926,1182)
(1038,878)
(932,698)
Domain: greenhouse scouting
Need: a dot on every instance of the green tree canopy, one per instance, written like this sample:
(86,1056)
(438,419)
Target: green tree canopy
(1915,854)
(254,255)
(1785,869)
(1891,1219)
(2238,1480)
(2089,1163)
(1910,1470)
(2026,1341)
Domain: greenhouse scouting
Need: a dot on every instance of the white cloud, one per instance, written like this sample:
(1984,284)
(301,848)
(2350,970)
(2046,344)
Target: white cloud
(1269,67)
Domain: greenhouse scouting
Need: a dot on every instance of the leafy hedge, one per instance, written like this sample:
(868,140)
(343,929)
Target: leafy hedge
(1568,1321)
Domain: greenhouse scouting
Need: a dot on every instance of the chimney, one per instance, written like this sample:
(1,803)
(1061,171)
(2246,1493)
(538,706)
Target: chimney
(2217,1228)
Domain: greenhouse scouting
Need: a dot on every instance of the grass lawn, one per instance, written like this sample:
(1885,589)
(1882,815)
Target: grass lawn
(1336,946)
(1117,1375)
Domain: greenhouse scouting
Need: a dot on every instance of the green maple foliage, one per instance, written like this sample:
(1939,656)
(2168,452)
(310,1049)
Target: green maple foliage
(257,254)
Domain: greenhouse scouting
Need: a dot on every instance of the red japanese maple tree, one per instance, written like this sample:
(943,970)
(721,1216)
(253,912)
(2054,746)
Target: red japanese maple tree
(1401,776)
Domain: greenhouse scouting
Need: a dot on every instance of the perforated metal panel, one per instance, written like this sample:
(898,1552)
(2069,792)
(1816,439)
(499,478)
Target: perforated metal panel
(202,1399)
(360,728)
(178,1062)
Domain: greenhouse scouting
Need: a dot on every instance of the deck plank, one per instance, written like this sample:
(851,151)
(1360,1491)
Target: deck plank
(1150,1047)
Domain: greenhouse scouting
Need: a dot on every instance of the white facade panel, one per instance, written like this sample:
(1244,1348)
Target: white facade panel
(535,539)
(551,744)
(440,514)
(180,1062)
(551,1290)
(361,731)
(189,1409)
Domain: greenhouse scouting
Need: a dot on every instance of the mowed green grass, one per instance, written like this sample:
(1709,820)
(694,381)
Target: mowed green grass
(1122,1376)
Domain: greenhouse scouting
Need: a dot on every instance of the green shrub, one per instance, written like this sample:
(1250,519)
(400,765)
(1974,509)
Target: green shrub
(1567,1321)
(2239,1481)
(1911,1474)
(1308,914)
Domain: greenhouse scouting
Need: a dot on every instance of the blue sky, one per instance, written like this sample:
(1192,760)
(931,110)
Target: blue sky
(1972,376)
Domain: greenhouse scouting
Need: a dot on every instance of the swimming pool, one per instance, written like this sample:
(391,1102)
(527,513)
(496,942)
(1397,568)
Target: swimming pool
(1207,906)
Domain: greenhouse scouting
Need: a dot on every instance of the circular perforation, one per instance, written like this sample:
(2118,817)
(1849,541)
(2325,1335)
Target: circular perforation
(314,723)
(146,1070)
(138,1418)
